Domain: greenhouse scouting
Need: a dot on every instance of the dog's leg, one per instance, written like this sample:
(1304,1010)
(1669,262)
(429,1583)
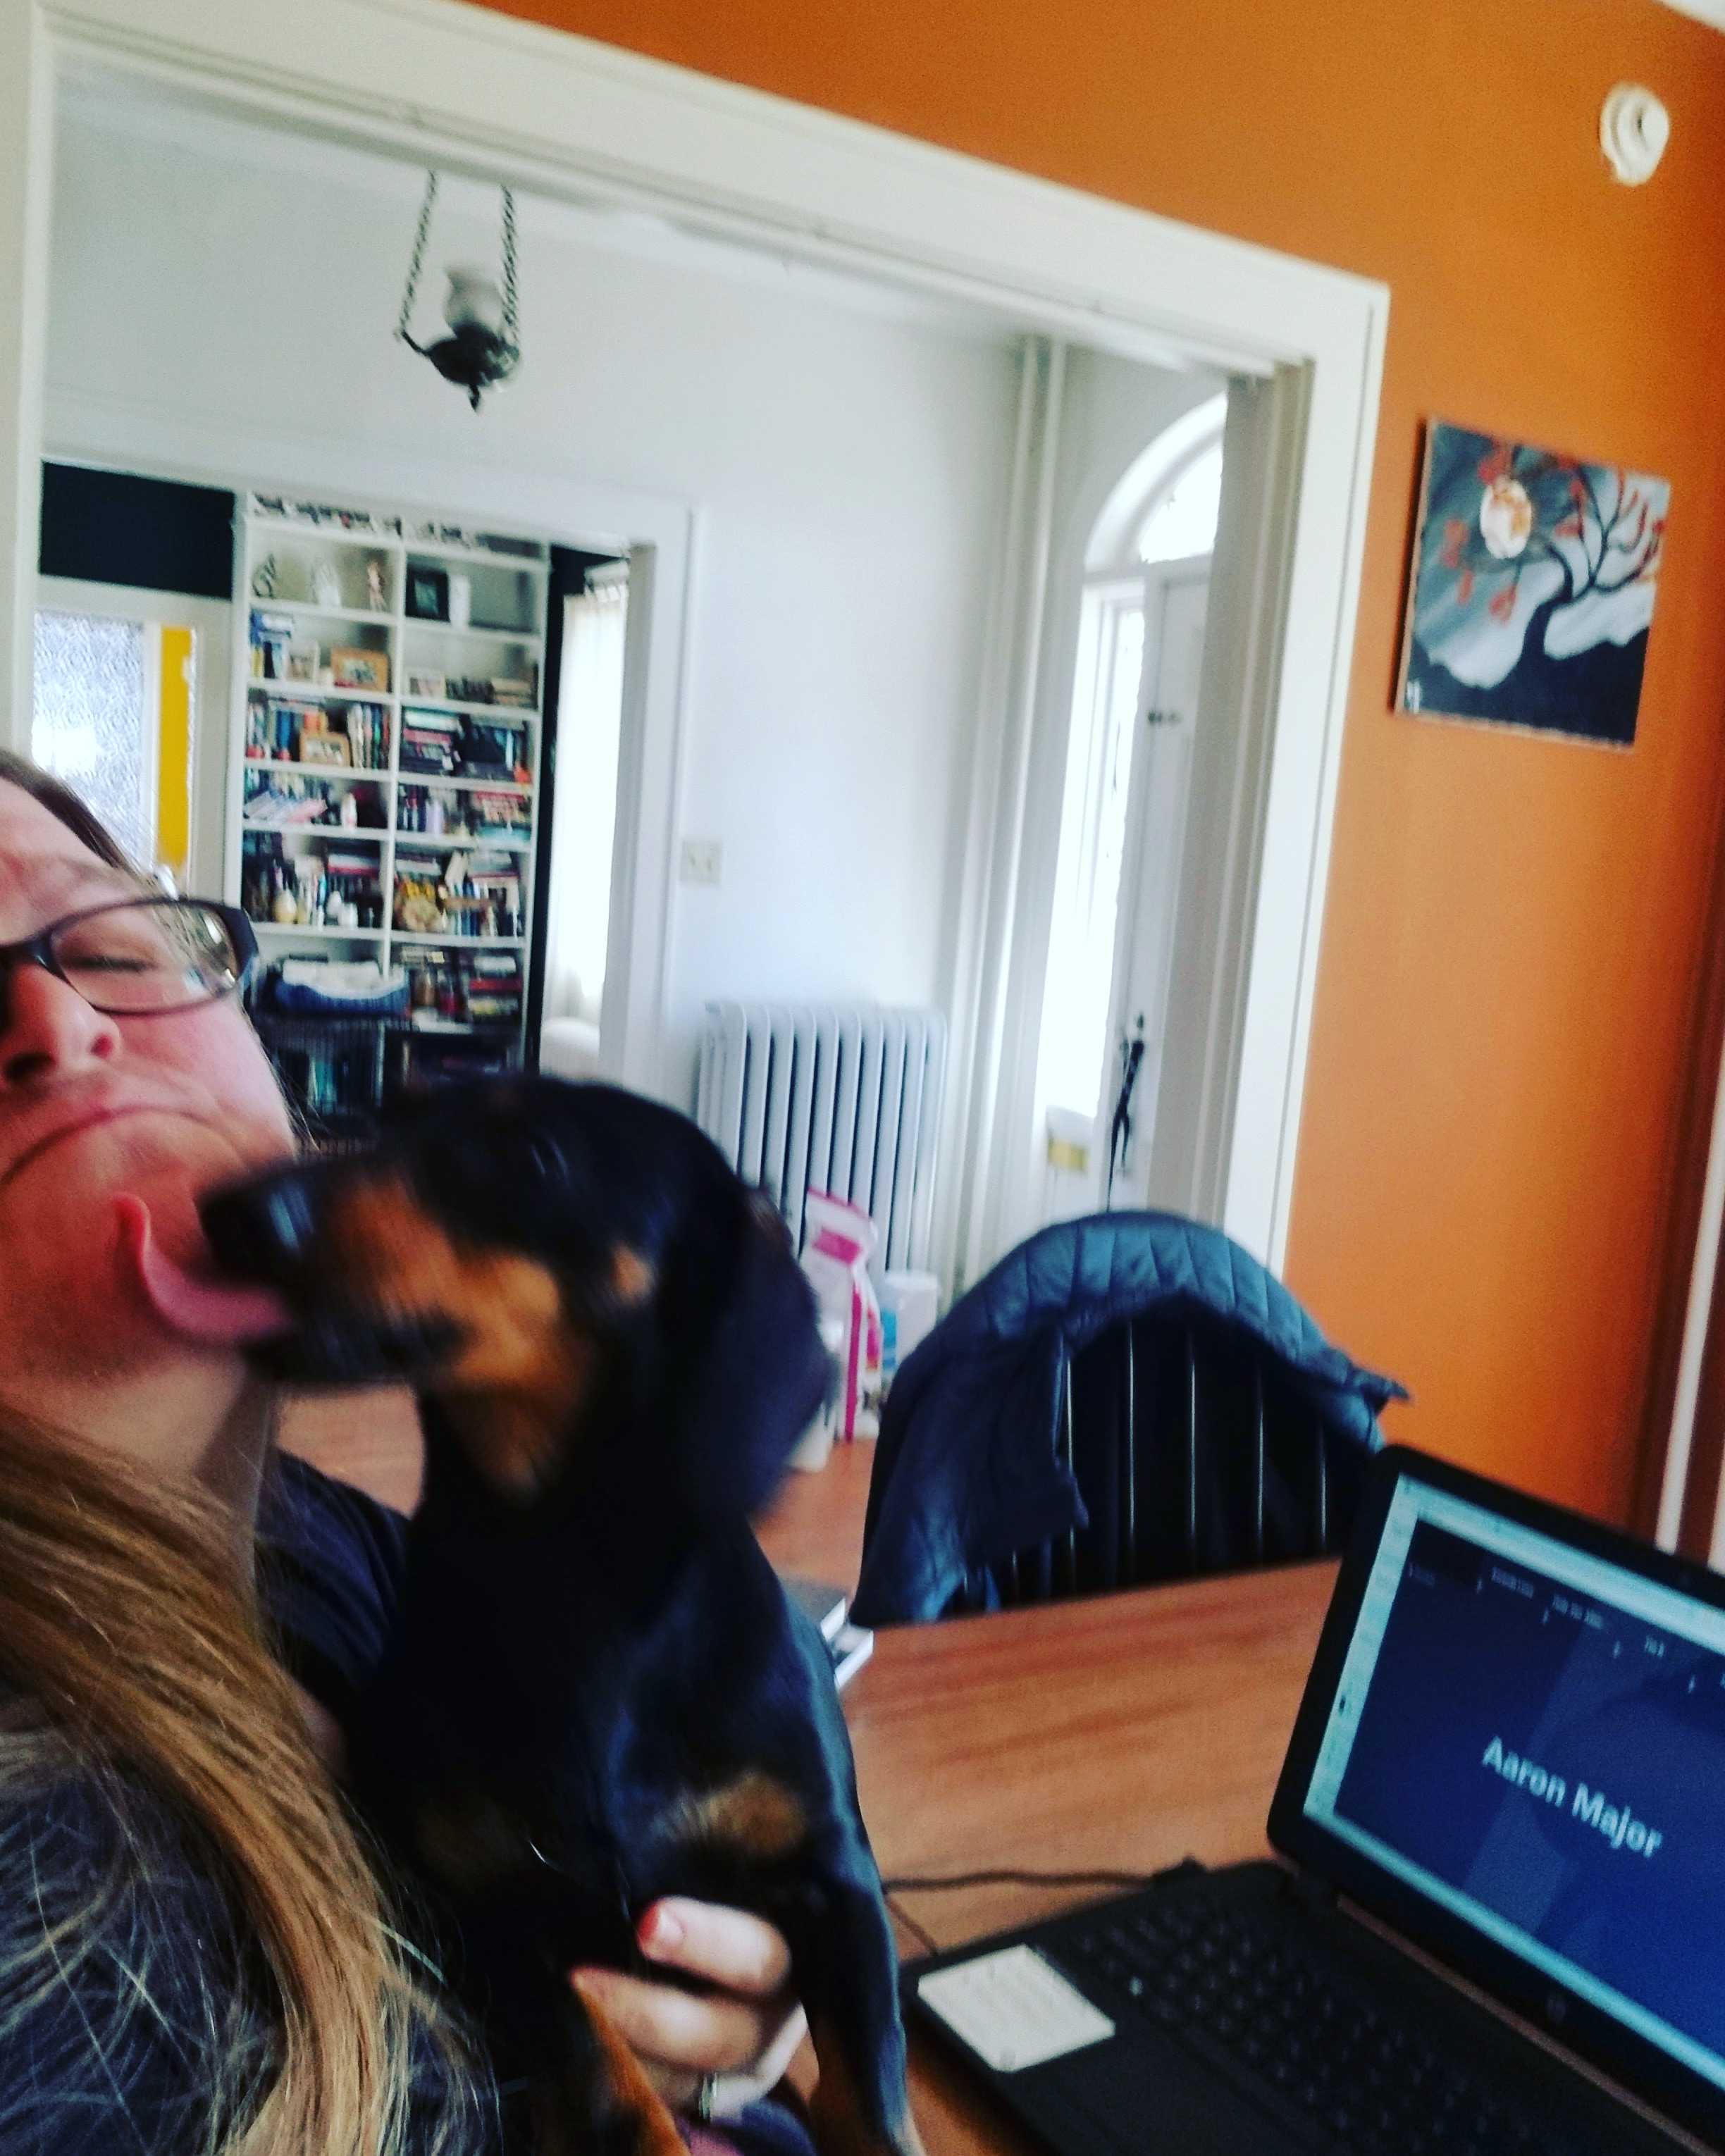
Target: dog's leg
(588,2094)
(845,1967)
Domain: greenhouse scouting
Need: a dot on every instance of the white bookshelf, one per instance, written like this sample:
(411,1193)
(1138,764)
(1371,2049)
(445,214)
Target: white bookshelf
(322,597)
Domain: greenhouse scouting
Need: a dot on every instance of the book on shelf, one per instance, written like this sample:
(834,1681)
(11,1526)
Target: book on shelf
(287,811)
(366,734)
(276,730)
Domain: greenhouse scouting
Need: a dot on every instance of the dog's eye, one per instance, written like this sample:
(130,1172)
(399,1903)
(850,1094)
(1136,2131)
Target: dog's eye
(497,1163)
(542,1157)
(529,1158)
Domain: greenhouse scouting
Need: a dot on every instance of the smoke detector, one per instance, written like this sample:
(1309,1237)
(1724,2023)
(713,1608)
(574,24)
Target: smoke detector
(1634,130)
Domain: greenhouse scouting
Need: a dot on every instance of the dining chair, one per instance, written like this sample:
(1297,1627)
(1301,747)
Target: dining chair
(1152,1364)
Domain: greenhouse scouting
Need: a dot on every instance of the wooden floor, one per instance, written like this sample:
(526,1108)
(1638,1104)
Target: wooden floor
(371,1439)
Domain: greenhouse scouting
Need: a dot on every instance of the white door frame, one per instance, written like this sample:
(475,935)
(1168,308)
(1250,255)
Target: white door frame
(479,92)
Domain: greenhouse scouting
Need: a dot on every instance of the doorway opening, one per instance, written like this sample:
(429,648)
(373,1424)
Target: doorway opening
(609,131)
(585,653)
(353,743)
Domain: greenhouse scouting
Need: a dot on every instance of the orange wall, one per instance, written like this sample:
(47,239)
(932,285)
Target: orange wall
(1497,1114)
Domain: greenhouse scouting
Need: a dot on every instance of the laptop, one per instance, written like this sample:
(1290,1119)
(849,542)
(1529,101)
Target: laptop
(1508,1769)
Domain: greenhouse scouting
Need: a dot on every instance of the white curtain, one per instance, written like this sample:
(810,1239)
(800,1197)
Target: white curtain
(990,1072)
(589,725)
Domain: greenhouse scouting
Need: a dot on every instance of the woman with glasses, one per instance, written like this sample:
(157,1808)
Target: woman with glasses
(194,1959)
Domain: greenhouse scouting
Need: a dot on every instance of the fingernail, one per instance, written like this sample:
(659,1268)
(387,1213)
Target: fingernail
(661,1928)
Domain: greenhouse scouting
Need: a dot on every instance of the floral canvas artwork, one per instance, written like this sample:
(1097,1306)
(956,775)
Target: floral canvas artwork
(1534,580)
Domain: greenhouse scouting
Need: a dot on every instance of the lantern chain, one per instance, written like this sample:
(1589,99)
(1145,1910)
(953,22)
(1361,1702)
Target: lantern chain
(401,329)
(510,325)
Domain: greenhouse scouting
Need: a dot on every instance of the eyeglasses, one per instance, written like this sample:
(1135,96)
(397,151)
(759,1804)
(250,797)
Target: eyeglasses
(142,957)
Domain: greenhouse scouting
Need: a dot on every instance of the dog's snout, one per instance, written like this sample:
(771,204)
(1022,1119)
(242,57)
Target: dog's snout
(263,1231)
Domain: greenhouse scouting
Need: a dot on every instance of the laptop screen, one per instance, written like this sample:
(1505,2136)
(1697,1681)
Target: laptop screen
(1534,1738)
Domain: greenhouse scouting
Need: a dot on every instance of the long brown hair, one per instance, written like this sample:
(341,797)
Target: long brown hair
(135,1662)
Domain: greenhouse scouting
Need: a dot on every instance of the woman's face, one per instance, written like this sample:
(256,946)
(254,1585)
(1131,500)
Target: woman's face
(97,1111)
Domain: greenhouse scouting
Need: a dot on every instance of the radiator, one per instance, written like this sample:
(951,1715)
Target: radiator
(806,1096)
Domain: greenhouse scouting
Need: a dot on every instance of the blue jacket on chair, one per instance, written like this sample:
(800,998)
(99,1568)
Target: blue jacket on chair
(967,1468)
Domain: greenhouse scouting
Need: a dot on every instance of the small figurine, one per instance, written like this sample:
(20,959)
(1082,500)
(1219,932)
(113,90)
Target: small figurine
(325,585)
(263,578)
(374,585)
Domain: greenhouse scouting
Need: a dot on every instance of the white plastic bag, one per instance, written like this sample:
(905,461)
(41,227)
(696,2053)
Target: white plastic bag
(839,1240)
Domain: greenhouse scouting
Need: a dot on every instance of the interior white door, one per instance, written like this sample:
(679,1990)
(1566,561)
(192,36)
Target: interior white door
(98,711)
(1159,842)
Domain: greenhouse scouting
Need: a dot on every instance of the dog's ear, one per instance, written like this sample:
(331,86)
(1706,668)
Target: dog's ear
(756,1383)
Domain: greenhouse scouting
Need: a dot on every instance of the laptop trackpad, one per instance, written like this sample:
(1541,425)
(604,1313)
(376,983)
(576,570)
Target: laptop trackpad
(1151,2098)
(1056,2054)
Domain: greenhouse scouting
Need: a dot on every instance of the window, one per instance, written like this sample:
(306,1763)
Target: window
(95,718)
(1183,523)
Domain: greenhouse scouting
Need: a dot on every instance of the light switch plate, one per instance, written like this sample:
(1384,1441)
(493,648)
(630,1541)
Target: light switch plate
(701,861)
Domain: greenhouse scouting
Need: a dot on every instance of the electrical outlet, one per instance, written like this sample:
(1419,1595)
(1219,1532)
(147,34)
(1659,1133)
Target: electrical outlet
(701,861)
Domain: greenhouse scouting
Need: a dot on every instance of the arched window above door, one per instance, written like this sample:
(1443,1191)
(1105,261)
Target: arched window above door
(1169,493)
(1183,523)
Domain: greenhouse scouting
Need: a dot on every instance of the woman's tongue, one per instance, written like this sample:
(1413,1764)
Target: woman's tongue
(197,1305)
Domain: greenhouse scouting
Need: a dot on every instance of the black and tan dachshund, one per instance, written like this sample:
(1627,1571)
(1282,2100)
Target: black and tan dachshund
(598,1693)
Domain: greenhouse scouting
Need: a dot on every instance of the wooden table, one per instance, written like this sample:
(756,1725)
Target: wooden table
(1117,1734)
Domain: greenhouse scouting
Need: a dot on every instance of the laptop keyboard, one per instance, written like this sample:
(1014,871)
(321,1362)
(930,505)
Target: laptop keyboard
(1325,2055)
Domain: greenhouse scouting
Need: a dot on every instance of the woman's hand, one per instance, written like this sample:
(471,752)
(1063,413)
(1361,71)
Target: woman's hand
(743,2029)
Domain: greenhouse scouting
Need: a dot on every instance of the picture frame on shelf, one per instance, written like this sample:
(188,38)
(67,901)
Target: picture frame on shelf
(359,666)
(300,659)
(428,593)
(325,748)
(421,683)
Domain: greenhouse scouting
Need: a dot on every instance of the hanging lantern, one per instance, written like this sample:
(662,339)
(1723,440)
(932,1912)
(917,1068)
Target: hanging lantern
(482,348)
